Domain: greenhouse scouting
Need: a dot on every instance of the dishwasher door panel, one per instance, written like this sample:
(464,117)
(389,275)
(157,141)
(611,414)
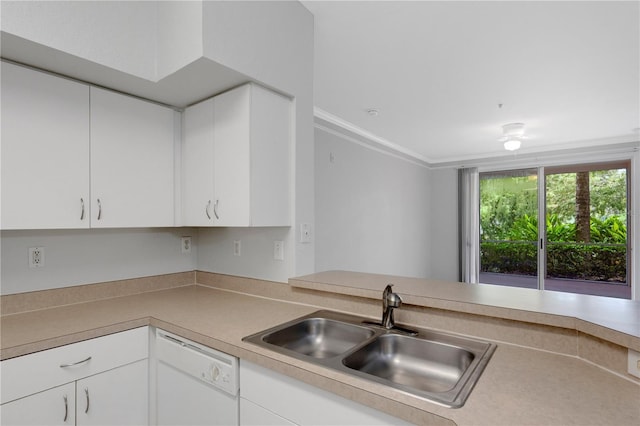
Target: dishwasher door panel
(187,401)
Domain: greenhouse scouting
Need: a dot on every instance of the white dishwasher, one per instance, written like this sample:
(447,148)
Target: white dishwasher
(195,385)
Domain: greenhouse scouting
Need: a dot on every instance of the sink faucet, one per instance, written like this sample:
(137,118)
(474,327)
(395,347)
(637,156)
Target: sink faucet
(390,301)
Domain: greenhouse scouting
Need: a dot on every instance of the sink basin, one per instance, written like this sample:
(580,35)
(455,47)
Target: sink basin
(319,337)
(420,364)
(440,367)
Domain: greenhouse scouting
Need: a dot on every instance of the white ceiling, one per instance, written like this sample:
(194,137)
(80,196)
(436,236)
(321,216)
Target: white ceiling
(437,71)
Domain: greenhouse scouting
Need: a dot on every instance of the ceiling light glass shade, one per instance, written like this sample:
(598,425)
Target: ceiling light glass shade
(512,145)
(513,130)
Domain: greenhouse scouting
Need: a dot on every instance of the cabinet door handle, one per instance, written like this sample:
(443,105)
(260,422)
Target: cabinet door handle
(82,212)
(215,210)
(66,408)
(86,393)
(206,209)
(75,363)
(99,209)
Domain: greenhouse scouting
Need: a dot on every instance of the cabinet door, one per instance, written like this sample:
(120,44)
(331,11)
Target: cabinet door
(232,157)
(304,404)
(254,415)
(132,154)
(45,150)
(52,407)
(116,397)
(270,158)
(197,165)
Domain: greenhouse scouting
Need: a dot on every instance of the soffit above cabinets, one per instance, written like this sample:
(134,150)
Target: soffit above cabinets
(198,80)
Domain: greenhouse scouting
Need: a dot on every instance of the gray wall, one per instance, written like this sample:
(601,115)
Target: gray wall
(271,42)
(215,252)
(444,224)
(373,210)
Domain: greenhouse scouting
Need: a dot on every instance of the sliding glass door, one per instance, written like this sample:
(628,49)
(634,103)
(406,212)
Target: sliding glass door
(587,244)
(557,228)
(509,228)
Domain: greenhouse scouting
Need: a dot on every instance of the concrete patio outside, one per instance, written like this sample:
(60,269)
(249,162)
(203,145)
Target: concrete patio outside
(596,288)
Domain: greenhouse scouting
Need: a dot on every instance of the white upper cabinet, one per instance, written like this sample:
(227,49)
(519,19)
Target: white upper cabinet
(197,165)
(132,170)
(75,156)
(45,150)
(236,160)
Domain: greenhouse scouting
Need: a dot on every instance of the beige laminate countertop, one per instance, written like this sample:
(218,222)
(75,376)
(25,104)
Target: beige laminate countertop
(616,320)
(519,386)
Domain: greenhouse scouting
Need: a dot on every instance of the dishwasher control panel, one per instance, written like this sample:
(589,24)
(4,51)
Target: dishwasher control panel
(209,365)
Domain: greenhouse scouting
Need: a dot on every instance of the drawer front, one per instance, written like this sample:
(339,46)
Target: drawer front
(36,372)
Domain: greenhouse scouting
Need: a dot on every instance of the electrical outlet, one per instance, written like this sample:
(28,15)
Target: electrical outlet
(36,257)
(185,245)
(237,247)
(278,250)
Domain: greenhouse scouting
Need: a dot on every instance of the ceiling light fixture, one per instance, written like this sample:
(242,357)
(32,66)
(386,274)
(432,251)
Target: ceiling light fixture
(373,112)
(512,135)
(512,145)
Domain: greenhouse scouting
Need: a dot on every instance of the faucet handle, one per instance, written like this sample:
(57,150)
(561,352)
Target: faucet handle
(385,296)
(394,300)
(389,298)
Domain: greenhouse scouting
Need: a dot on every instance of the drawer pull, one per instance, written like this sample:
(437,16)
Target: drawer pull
(86,393)
(66,408)
(75,363)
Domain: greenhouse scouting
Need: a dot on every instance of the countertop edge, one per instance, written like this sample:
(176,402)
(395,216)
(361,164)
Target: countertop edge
(554,319)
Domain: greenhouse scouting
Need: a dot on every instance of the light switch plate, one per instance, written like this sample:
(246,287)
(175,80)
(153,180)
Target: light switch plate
(185,247)
(305,233)
(278,250)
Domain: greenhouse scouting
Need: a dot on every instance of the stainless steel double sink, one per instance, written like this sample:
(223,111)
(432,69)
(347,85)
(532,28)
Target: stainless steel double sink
(439,367)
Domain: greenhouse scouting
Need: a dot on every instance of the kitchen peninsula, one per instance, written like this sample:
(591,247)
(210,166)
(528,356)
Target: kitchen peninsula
(548,368)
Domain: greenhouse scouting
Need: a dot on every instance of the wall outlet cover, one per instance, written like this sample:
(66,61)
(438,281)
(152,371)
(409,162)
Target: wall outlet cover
(36,257)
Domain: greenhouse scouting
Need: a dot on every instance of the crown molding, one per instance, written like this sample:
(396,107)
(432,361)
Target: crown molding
(612,147)
(327,121)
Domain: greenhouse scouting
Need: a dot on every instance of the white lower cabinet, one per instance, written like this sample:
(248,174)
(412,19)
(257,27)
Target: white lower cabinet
(51,407)
(102,381)
(255,415)
(115,397)
(270,398)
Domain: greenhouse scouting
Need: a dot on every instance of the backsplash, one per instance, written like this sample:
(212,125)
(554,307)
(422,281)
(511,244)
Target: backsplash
(77,257)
